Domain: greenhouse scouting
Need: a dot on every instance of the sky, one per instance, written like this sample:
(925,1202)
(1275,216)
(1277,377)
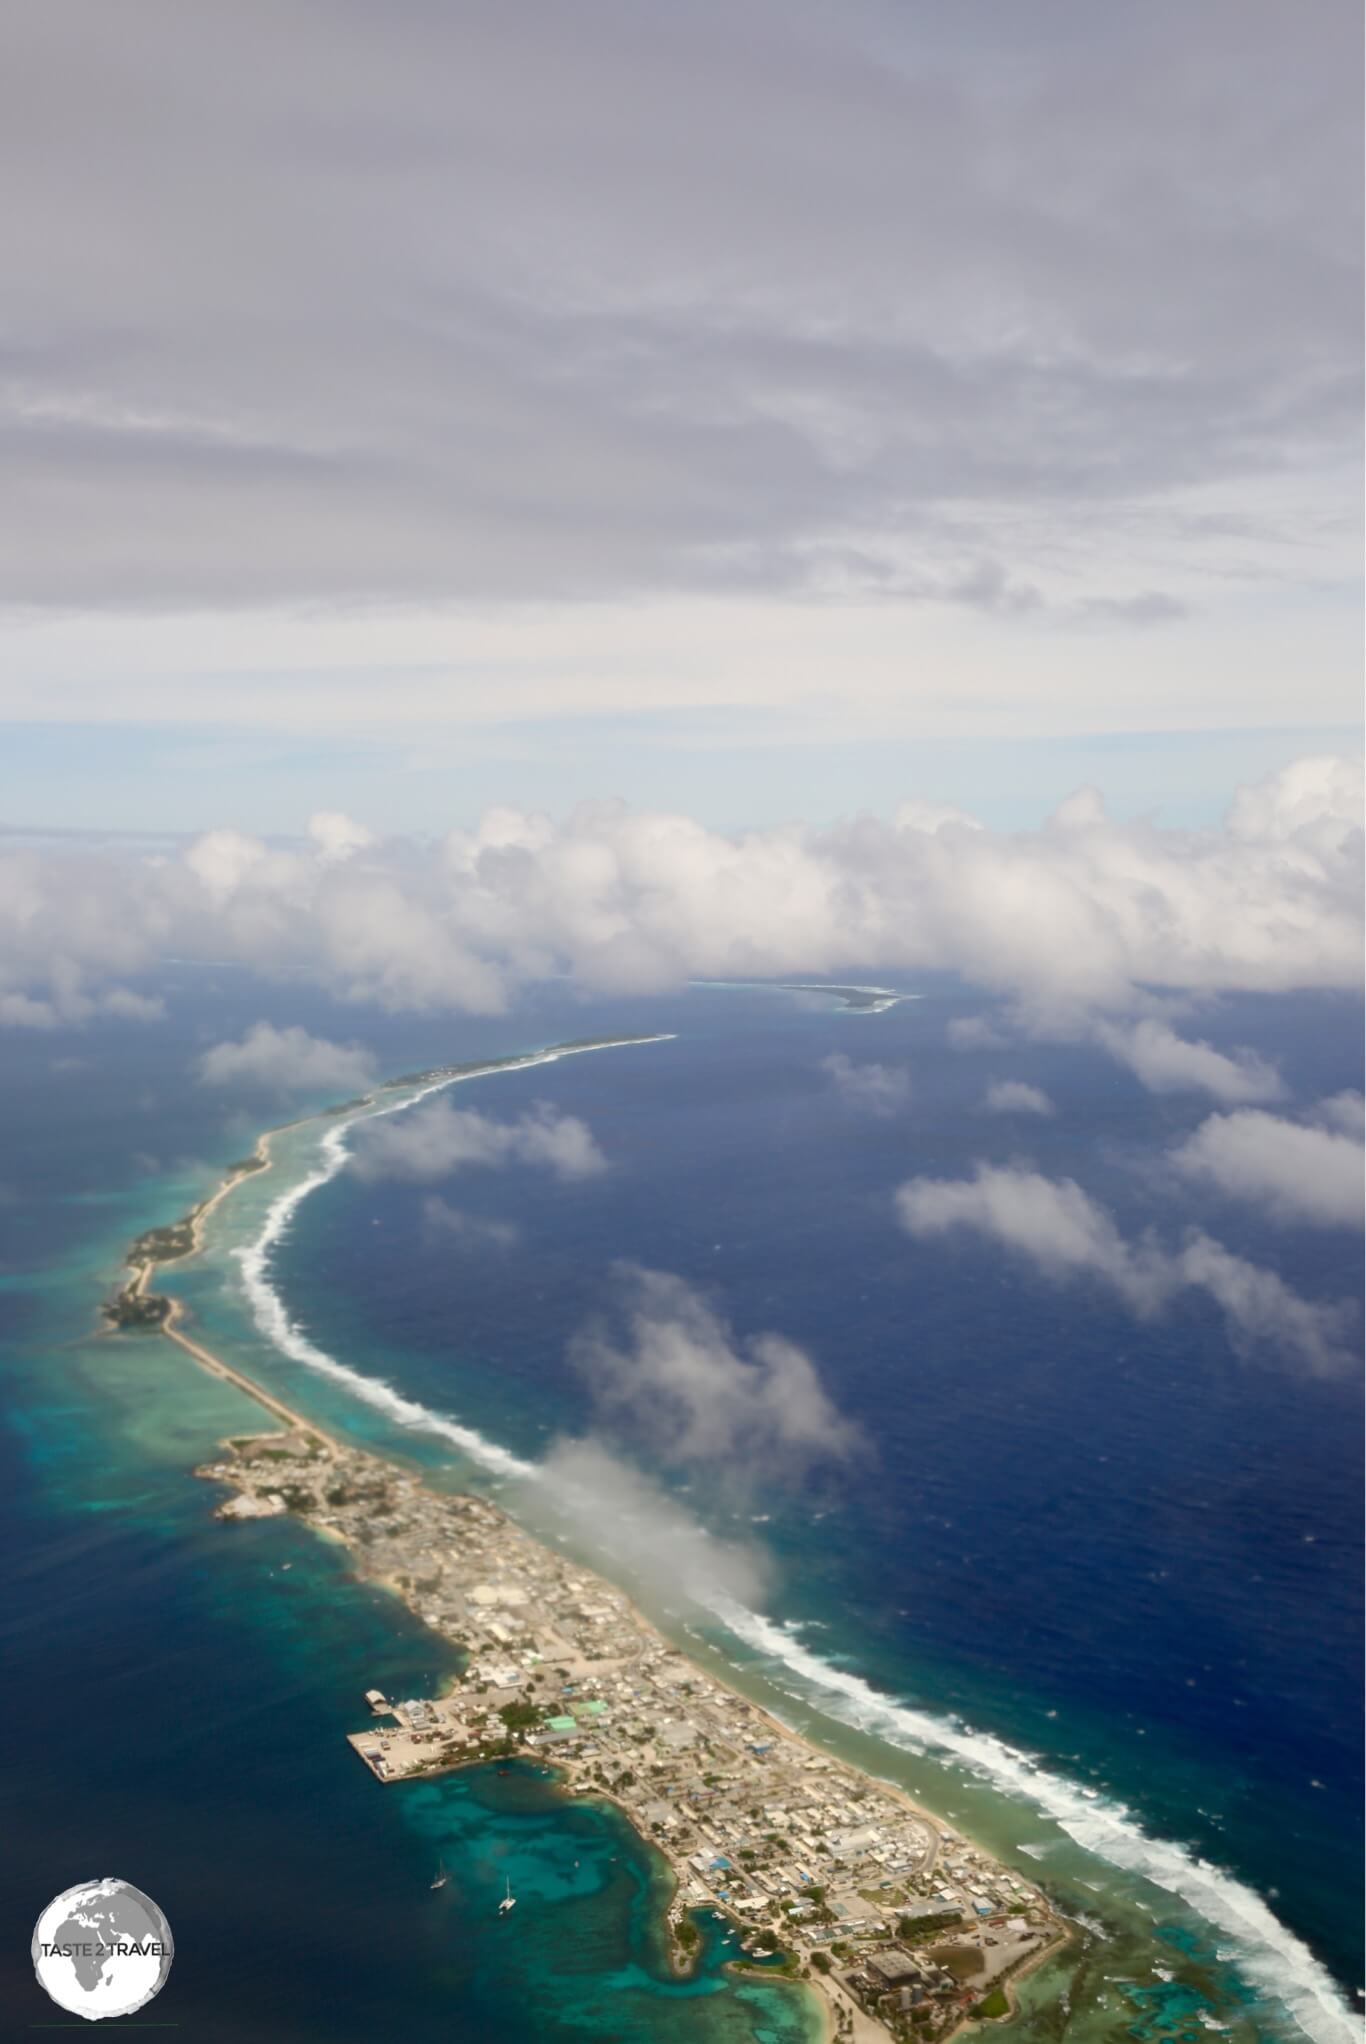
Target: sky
(765,413)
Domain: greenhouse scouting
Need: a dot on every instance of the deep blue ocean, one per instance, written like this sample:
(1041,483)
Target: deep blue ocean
(1117,1545)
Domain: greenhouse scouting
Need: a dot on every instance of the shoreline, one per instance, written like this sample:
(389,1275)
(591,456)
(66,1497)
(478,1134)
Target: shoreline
(642,1672)
(828,1995)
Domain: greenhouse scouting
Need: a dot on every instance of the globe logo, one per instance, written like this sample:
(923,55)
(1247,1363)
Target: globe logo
(102,1949)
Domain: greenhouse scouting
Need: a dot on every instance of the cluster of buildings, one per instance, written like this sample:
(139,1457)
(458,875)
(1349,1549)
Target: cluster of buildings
(903,1923)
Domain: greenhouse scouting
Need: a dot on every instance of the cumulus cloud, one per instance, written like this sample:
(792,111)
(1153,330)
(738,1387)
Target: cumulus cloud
(438,1138)
(974,1032)
(1051,1222)
(1311,804)
(1345,1112)
(272,1060)
(1013,1096)
(336,835)
(1297,1173)
(478,1231)
(873,1089)
(1069,922)
(1167,1063)
(67,1004)
(932,817)
(674,1377)
(1067,1235)
(1260,1309)
(134,1007)
(610,1509)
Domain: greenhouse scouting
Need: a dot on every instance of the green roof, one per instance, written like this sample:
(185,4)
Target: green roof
(591,1708)
(562,1724)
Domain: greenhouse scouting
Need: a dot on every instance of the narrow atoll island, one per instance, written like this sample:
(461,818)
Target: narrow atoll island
(900,1922)
(905,1928)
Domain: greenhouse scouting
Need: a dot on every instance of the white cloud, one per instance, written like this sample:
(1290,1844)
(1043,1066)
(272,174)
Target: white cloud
(1345,1112)
(1051,1222)
(683,1384)
(1167,1063)
(1261,1309)
(1066,1235)
(336,836)
(1013,1096)
(1072,923)
(475,1230)
(932,817)
(974,1032)
(1084,810)
(69,1005)
(21,1011)
(132,1006)
(610,1509)
(1296,1173)
(873,1089)
(1309,805)
(437,1138)
(287,1061)
(222,859)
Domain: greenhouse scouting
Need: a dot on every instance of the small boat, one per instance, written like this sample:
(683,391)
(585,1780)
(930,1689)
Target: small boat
(509,1901)
(441,1875)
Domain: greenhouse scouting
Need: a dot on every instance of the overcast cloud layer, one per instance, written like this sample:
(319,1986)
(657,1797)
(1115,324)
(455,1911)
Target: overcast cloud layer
(513,300)
(483,311)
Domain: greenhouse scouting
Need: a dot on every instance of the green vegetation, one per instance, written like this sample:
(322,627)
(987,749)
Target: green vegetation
(688,1934)
(520,1717)
(137,1309)
(822,1961)
(163,1245)
(993,2006)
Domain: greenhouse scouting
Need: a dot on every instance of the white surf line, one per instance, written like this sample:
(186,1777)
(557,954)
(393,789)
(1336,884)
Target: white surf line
(1265,1950)
(274,1321)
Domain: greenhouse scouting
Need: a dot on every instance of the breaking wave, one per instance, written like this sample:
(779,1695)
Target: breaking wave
(1264,1949)
(273,1318)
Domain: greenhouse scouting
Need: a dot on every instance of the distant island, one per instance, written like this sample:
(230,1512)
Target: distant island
(859,999)
(865,1000)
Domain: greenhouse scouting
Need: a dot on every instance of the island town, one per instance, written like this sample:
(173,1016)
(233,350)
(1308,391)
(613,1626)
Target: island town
(906,1928)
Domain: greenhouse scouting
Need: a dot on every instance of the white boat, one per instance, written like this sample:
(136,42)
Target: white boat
(441,1875)
(509,1901)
